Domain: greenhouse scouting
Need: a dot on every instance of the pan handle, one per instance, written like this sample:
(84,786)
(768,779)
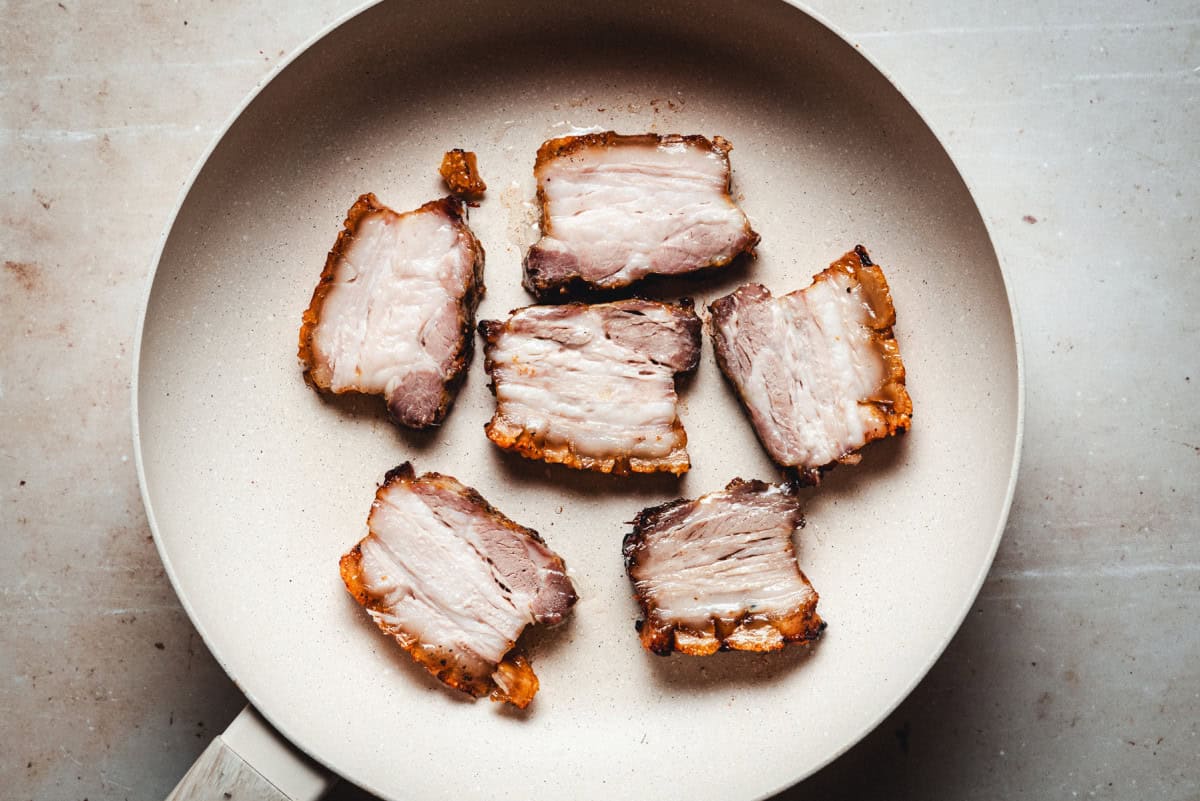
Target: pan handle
(252,762)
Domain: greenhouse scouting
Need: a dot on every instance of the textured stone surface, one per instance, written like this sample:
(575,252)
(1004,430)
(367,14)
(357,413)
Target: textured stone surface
(1074,123)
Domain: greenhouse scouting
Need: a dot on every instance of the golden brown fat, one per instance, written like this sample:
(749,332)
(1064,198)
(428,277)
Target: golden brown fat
(460,171)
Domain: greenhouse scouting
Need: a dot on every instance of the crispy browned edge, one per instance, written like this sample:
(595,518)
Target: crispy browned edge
(749,632)
(366,205)
(460,171)
(567,145)
(891,400)
(519,675)
(676,463)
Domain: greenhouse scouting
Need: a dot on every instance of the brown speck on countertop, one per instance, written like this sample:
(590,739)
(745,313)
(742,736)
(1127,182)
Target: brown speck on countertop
(27,274)
(1029,218)
(160,646)
(1043,705)
(105,149)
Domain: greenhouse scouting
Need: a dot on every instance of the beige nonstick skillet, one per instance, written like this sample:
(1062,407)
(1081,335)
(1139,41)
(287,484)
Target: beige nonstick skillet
(255,485)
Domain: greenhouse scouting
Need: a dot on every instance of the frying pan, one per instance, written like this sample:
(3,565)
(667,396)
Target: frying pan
(254,484)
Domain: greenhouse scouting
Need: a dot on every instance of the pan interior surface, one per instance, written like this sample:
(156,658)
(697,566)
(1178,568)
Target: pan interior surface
(256,485)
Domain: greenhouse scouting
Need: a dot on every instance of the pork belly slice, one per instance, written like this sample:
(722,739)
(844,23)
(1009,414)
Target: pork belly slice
(615,209)
(394,310)
(593,386)
(818,370)
(455,582)
(720,573)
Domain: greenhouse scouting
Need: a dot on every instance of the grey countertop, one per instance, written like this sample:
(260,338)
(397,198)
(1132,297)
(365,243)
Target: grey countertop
(1076,676)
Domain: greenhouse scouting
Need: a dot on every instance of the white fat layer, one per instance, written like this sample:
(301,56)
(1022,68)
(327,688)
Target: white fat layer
(604,399)
(730,556)
(806,385)
(630,210)
(401,277)
(428,568)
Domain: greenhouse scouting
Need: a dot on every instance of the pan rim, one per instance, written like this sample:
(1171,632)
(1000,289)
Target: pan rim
(904,689)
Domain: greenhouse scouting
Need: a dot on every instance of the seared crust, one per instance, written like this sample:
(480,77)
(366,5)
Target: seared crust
(890,403)
(317,375)
(891,400)
(541,278)
(747,631)
(570,145)
(511,435)
(513,679)
(365,205)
